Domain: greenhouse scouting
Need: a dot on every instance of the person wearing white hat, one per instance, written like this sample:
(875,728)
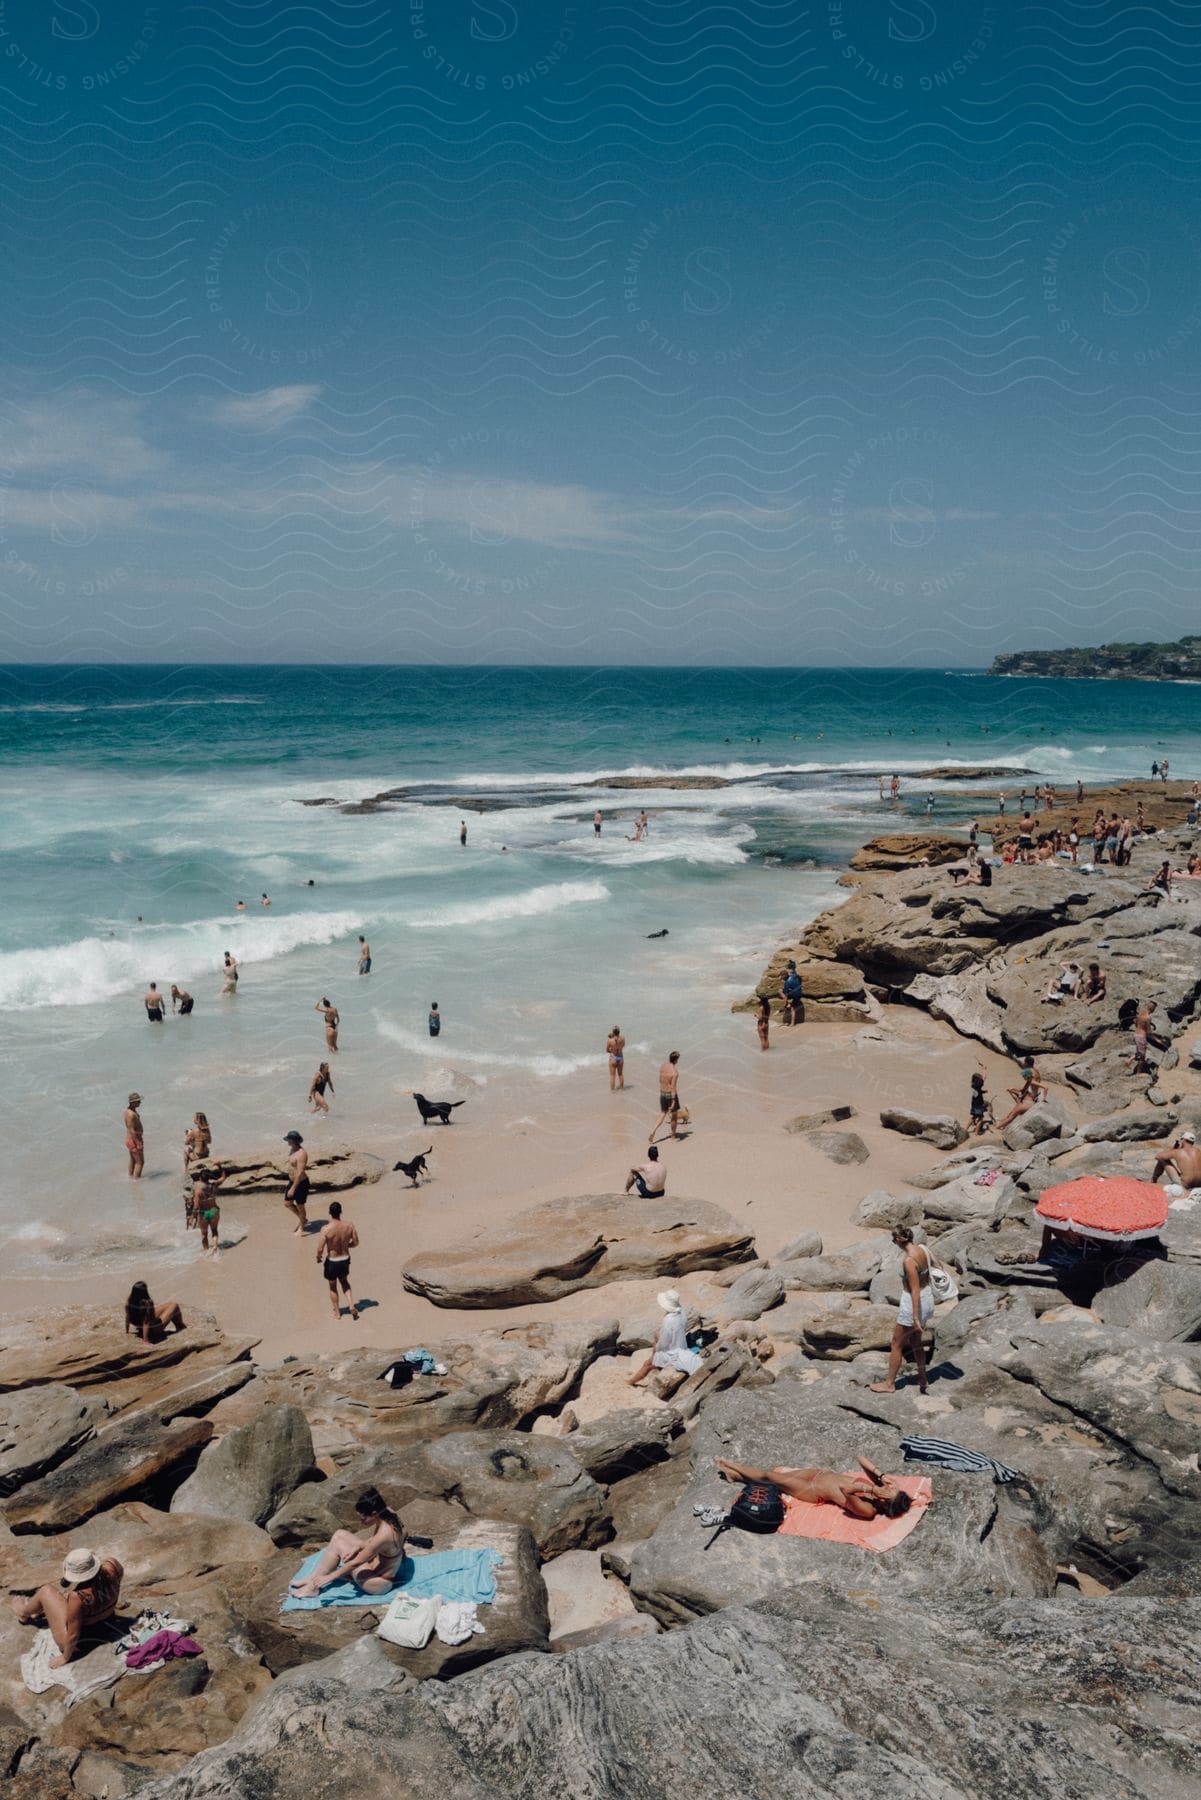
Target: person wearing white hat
(670,1350)
(86,1595)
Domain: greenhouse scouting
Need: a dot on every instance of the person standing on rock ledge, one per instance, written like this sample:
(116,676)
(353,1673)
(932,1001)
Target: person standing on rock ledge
(913,1315)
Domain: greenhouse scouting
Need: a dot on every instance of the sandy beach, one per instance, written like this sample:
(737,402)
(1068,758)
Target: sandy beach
(584,1139)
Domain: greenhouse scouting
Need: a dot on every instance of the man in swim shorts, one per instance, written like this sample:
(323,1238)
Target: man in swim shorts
(364,956)
(297,1191)
(133,1137)
(152,1000)
(650,1178)
(182,999)
(334,1246)
(669,1096)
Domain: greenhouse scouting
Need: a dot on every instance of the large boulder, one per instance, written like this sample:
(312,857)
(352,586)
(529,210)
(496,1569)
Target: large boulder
(526,1479)
(970,1542)
(565,1245)
(754,1293)
(753,1700)
(1047,1119)
(840,1334)
(87,1346)
(840,1146)
(882,1211)
(623,1442)
(1159,1300)
(330,1171)
(516,1620)
(1134,1126)
(939,1129)
(250,1472)
(41,1427)
(821,1121)
(496,1379)
(120,1459)
(908,850)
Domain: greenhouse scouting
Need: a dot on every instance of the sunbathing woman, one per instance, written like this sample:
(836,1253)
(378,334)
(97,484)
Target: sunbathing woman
(371,1561)
(867,1496)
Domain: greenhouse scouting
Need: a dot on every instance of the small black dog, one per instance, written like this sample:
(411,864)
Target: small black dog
(416,1167)
(435,1109)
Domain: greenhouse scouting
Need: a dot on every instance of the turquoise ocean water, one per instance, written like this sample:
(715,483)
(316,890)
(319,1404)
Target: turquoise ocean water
(138,805)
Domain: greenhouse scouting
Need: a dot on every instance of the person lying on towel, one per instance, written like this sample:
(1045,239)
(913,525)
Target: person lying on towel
(867,1496)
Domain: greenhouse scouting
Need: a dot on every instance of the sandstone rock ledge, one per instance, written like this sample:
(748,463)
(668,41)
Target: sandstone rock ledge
(565,1245)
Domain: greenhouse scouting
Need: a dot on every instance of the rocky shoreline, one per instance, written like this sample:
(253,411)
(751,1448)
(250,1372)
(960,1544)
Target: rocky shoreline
(1053,1620)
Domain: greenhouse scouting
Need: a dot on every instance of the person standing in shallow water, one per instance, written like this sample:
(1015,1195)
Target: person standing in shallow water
(331,1021)
(134,1141)
(317,1086)
(152,1000)
(615,1050)
(364,956)
(229,983)
(435,1019)
(463,832)
(763,1020)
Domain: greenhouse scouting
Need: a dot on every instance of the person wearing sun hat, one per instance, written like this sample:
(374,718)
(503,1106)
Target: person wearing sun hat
(670,1349)
(87,1594)
(1184,1161)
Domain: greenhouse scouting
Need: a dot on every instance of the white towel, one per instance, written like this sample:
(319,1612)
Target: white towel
(457,1621)
(86,1675)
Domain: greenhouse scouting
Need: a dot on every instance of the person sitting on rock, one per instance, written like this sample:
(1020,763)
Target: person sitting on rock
(1065,987)
(371,1559)
(149,1321)
(867,1496)
(87,1595)
(670,1349)
(1184,1160)
(1093,987)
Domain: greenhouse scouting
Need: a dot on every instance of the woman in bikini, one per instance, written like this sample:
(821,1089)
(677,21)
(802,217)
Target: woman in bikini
(616,1051)
(317,1086)
(371,1559)
(197,1140)
(763,1020)
(145,1319)
(867,1496)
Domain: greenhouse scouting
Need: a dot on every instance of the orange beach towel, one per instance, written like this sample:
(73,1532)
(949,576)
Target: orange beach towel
(822,1519)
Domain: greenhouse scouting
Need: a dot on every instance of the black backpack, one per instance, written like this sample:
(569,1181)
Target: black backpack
(759,1507)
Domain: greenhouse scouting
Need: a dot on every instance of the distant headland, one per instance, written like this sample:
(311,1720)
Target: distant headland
(1109,662)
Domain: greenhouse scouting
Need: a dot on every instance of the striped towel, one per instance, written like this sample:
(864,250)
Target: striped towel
(954,1456)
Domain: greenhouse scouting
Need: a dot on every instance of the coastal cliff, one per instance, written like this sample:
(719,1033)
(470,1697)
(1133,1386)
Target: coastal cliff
(1108,662)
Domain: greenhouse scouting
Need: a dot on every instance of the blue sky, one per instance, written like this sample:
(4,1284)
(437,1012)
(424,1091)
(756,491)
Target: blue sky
(515,332)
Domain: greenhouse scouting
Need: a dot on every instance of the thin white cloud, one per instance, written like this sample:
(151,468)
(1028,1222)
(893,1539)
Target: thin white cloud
(81,435)
(265,410)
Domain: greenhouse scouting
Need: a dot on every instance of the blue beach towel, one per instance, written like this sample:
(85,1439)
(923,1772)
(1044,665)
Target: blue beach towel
(455,1574)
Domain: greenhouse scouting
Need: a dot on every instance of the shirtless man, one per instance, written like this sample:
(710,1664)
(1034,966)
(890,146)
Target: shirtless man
(229,973)
(669,1096)
(181,998)
(1184,1159)
(334,1246)
(331,1021)
(1026,838)
(152,1000)
(1142,1027)
(597,822)
(133,1137)
(867,1496)
(364,956)
(297,1191)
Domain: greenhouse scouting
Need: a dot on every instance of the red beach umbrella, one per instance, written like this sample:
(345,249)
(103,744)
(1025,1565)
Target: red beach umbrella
(1108,1207)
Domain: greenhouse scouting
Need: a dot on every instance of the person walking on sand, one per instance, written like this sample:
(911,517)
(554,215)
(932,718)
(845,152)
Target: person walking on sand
(364,956)
(134,1139)
(229,983)
(615,1050)
(913,1315)
(669,1096)
(182,999)
(152,1000)
(331,1022)
(763,1020)
(296,1193)
(317,1086)
(334,1246)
